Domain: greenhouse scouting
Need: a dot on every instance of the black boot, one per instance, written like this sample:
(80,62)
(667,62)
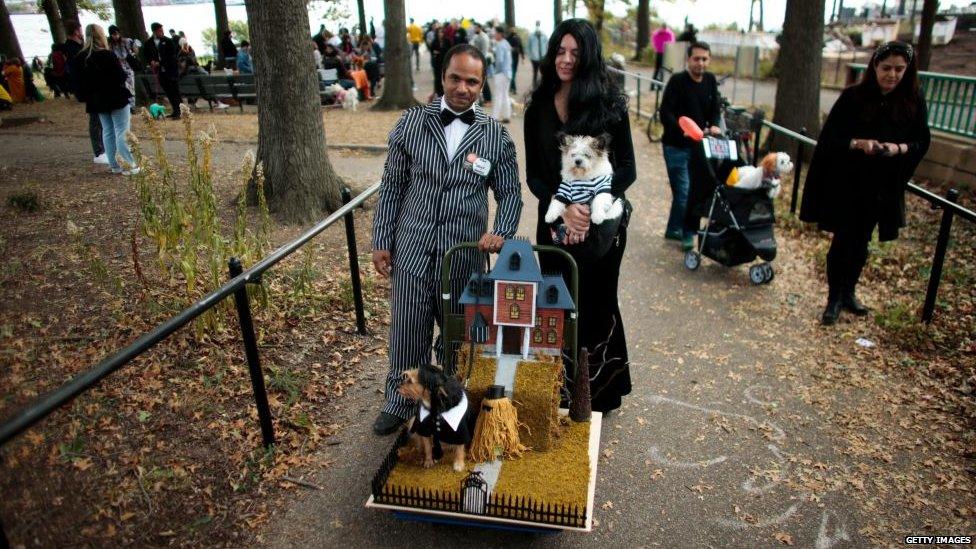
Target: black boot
(851,304)
(832,311)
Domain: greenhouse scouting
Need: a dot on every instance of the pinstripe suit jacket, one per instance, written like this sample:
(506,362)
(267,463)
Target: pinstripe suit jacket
(429,202)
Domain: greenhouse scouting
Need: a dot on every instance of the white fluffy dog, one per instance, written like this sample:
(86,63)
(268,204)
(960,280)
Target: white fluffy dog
(586,176)
(768,174)
(349,99)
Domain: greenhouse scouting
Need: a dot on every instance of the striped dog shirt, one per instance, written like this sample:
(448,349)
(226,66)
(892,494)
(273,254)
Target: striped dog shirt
(582,191)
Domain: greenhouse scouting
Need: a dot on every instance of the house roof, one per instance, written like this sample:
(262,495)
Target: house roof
(528,270)
(563,299)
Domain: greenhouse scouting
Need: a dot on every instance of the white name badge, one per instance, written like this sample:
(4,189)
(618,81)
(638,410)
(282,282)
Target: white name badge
(481,167)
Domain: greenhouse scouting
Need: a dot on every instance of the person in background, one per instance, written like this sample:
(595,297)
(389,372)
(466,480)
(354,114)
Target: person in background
(370,63)
(875,136)
(346,47)
(575,96)
(124,48)
(438,47)
(14,75)
(690,34)
(174,37)
(515,41)
(245,64)
(162,56)
(536,50)
(660,40)
(331,60)
(692,93)
(71,48)
(228,50)
(321,39)
(316,55)
(416,36)
(30,88)
(37,65)
(480,40)
(501,75)
(450,30)
(106,95)
(55,71)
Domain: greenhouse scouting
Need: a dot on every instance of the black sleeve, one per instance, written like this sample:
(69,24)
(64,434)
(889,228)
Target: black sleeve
(921,136)
(533,155)
(669,107)
(838,129)
(625,168)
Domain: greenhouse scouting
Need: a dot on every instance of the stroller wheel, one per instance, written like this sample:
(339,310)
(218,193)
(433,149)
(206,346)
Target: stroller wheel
(770,273)
(757,274)
(692,260)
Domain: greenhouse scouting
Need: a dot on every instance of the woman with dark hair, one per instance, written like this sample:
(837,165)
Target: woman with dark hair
(228,50)
(438,47)
(874,138)
(576,96)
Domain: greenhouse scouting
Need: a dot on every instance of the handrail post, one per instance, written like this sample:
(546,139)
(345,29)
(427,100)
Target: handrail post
(251,352)
(935,274)
(357,289)
(755,146)
(637,82)
(798,168)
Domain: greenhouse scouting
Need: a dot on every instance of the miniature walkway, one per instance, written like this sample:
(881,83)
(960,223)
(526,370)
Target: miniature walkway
(693,456)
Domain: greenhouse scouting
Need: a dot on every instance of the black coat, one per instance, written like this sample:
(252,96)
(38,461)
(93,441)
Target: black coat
(76,67)
(844,185)
(166,54)
(103,82)
(598,310)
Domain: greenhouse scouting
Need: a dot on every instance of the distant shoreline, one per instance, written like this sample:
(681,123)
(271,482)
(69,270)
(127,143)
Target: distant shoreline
(31,7)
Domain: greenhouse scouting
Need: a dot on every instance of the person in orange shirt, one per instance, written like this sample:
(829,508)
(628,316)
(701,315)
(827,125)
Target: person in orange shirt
(416,35)
(15,80)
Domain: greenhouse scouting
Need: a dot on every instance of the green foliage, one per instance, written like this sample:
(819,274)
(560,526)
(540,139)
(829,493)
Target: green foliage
(287,382)
(24,201)
(239,28)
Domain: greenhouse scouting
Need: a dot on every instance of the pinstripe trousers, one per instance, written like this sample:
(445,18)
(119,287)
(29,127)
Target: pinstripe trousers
(415,304)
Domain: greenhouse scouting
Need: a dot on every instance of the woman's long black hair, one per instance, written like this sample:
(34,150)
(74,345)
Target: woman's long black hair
(904,99)
(595,103)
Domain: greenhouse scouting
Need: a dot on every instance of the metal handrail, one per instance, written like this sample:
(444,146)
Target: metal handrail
(46,404)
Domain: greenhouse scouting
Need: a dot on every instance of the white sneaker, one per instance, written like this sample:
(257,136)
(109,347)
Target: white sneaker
(101,159)
(220,105)
(133,171)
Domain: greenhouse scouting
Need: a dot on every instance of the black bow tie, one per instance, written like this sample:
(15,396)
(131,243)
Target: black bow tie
(447,116)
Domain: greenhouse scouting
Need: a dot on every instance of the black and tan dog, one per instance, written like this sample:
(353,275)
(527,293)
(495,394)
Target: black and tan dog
(443,415)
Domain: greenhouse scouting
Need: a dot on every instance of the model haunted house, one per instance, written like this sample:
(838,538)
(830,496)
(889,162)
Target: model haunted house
(515,309)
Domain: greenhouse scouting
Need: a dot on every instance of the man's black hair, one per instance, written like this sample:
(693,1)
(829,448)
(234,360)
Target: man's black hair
(155,26)
(699,46)
(469,50)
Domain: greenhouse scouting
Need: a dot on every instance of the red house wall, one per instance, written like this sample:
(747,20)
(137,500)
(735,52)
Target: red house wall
(546,314)
(525,305)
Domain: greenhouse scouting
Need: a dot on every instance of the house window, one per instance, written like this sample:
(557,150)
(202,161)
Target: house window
(537,336)
(551,337)
(515,262)
(552,295)
(552,321)
(520,293)
(509,292)
(538,320)
(513,311)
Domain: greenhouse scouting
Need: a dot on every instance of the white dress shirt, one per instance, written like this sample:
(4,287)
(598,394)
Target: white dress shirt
(453,132)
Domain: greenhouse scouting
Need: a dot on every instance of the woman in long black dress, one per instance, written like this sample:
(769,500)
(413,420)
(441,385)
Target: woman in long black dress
(575,96)
(874,138)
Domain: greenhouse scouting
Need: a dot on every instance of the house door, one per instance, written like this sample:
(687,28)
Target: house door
(511,340)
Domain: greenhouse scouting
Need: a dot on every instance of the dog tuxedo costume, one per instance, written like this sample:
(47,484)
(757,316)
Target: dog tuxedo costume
(450,427)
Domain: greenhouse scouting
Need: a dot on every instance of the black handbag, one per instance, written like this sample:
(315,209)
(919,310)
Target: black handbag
(134,63)
(599,240)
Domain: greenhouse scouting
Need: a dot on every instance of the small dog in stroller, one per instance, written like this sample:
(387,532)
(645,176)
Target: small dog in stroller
(767,175)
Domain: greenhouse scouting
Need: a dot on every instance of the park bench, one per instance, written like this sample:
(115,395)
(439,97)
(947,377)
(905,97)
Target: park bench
(215,87)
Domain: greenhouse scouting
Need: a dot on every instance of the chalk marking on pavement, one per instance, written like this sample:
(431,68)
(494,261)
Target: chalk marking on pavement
(773,426)
(753,399)
(655,454)
(739,524)
(824,541)
(748,485)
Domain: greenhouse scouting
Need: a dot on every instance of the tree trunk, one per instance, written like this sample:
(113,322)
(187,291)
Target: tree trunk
(9,45)
(300,182)
(54,21)
(643,27)
(752,7)
(801,49)
(509,13)
(925,34)
(557,13)
(128,16)
(397,86)
(594,9)
(362,19)
(762,25)
(901,7)
(69,10)
(223,25)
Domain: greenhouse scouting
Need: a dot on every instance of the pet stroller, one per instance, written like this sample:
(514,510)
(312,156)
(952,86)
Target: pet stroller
(738,223)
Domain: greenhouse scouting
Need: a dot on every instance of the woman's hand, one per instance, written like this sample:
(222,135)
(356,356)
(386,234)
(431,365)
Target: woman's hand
(892,149)
(577,219)
(867,146)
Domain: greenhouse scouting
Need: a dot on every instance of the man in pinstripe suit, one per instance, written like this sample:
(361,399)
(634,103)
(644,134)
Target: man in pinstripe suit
(443,158)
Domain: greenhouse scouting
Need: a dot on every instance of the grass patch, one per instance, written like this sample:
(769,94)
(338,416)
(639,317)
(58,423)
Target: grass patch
(24,202)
